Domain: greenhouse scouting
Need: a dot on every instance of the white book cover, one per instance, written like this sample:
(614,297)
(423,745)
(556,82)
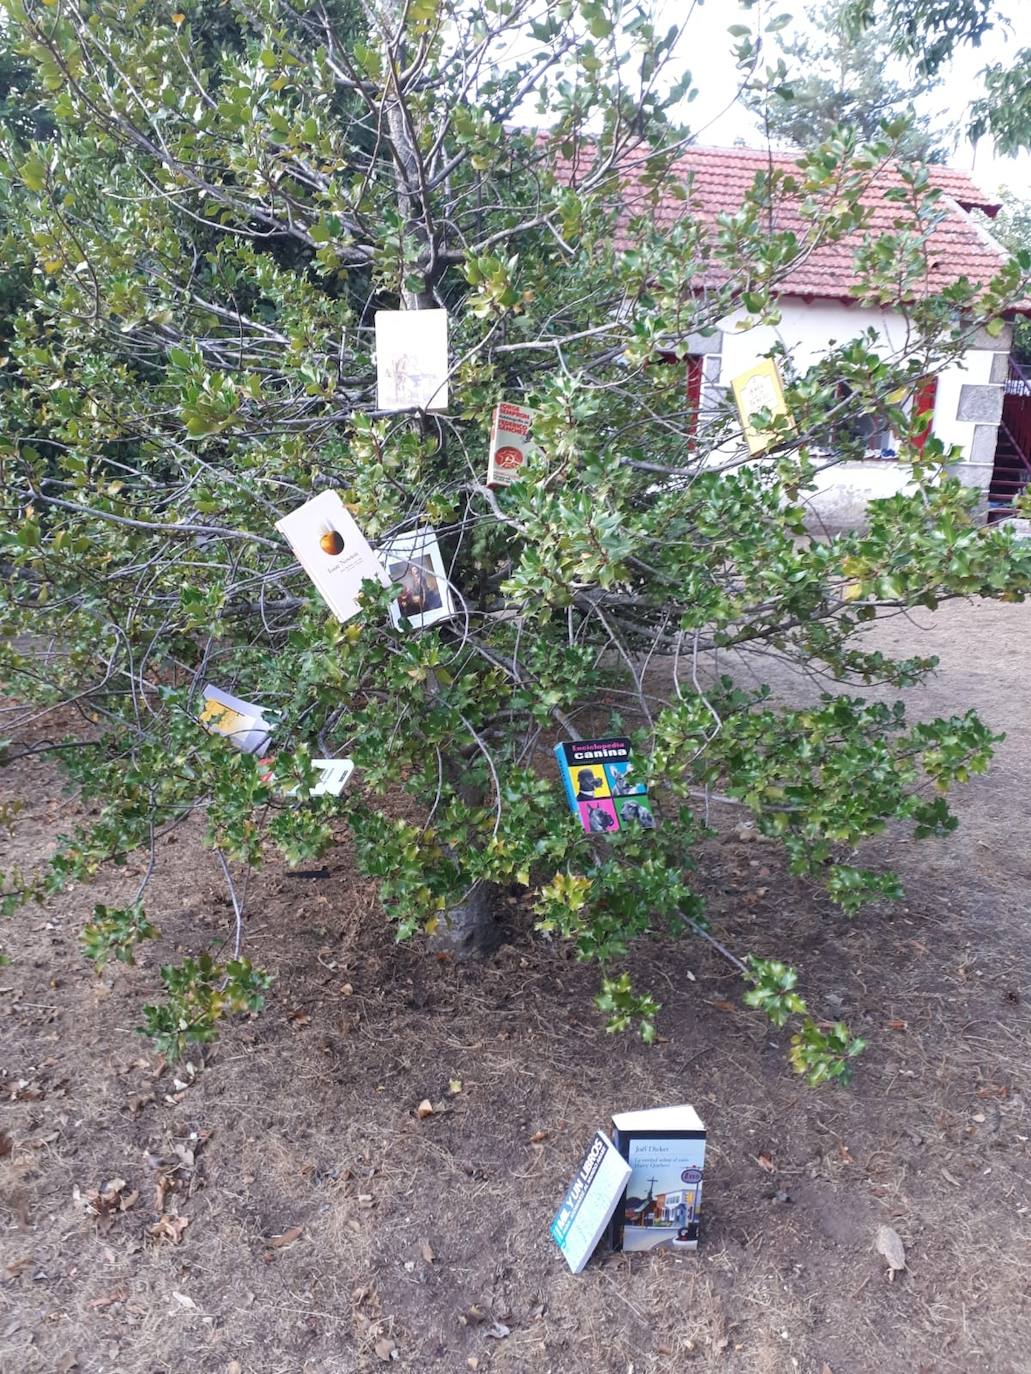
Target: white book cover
(414,559)
(333,777)
(509,443)
(589,1202)
(411,360)
(241,722)
(333,552)
(682,1118)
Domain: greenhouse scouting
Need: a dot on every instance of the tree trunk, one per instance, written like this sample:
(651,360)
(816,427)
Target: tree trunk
(470,929)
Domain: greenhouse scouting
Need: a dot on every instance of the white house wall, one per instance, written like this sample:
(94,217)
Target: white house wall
(967,409)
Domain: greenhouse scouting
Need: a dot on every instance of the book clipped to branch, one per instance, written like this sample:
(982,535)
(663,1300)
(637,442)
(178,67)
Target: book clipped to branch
(333,552)
(509,443)
(665,1150)
(242,723)
(602,786)
(590,1201)
(411,360)
(760,389)
(414,560)
(333,777)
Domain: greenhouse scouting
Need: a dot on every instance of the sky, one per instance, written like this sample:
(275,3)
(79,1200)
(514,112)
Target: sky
(706,49)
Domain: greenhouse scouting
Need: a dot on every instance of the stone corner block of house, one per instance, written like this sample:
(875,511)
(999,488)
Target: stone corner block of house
(996,343)
(980,403)
(982,446)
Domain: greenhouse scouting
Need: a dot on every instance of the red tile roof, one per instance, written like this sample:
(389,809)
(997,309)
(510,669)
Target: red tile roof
(717,180)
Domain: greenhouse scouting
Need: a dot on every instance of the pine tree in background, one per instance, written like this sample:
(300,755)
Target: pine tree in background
(829,75)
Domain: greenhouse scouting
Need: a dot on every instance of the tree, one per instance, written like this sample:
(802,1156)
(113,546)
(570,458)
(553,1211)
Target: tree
(830,76)
(1012,228)
(209,233)
(929,32)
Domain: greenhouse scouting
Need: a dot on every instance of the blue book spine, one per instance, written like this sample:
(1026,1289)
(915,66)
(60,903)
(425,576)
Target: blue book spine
(567,779)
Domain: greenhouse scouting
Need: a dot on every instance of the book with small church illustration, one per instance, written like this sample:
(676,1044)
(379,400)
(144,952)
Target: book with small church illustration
(665,1149)
(603,787)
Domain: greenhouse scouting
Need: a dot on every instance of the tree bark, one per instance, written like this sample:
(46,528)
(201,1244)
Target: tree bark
(470,929)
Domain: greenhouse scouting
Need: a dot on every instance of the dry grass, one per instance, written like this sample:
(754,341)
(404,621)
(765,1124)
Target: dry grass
(310,1110)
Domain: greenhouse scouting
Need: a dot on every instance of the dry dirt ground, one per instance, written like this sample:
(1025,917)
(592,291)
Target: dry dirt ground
(423,1243)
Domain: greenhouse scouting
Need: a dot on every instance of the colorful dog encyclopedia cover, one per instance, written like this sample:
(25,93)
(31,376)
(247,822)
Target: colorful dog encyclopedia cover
(602,786)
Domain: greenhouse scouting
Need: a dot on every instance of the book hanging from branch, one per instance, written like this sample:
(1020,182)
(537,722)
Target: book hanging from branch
(242,723)
(333,552)
(413,559)
(509,443)
(411,360)
(603,787)
(760,389)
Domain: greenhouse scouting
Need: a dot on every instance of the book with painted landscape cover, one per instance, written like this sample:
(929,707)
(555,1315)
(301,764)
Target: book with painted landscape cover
(590,1201)
(602,787)
(665,1151)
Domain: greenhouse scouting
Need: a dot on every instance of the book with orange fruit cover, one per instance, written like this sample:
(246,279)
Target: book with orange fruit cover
(333,552)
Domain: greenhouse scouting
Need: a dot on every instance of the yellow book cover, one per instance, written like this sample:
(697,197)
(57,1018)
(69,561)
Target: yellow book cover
(760,388)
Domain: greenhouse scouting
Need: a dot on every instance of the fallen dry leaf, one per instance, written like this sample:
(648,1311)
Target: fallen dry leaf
(184,1300)
(103,1204)
(18,1266)
(765,1162)
(386,1349)
(472,1362)
(109,1299)
(472,1316)
(889,1244)
(424,1109)
(427,1251)
(169,1228)
(498,1331)
(163,1185)
(287,1238)
(538,1136)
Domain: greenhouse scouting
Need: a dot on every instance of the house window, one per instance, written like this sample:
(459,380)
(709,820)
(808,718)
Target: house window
(869,435)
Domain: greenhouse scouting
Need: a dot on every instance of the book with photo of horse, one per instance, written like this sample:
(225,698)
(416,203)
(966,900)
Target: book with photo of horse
(603,787)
